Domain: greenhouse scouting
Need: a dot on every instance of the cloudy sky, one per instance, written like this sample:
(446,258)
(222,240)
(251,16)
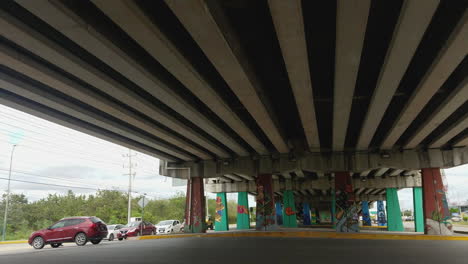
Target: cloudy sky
(53,159)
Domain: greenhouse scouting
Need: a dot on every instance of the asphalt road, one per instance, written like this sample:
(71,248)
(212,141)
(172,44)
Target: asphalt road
(249,250)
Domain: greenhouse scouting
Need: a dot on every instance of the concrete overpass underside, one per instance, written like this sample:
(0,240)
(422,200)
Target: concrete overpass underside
(314,94)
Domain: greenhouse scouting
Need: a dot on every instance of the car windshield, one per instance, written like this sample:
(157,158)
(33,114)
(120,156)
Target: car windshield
(111,227)
(167,222)
(133,224)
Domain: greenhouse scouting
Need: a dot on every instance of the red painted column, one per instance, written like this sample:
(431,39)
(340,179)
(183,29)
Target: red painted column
(195,206)
(266,213)
(436,211)
(347,218)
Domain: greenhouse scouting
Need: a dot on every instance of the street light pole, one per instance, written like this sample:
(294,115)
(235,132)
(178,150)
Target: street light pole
(8,194)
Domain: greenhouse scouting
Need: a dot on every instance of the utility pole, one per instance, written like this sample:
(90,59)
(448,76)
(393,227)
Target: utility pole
(7,200)
(130,175)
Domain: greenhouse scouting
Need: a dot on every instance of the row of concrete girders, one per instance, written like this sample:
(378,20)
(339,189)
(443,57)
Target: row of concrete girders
(322,184)
(414,19)
(204,25)
(360,162)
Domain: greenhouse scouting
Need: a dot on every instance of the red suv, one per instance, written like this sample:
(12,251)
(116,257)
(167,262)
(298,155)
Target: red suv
(72,229)
(136,229)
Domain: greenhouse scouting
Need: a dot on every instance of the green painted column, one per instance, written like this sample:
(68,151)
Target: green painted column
(418,209)
(243,220)
(289,214)
(221,215)
(333,208)
(394,222)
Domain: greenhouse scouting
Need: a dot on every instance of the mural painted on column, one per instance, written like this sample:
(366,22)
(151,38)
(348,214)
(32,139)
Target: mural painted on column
(195,207)
(221,216)
(243,221)
(347,219)
(266,213)
(306,214)
(436,211)
(289,216)
(366,220)
(279,213)
(381,217)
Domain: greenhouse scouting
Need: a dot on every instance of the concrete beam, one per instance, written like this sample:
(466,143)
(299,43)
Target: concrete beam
(289,25)
(25,65)
(462,143)
(65,21)
(447,60)
(381,172)
(414,19)
(452,131)
(133,20)
(26,90)
(320,184)
(457,98)
(52,116)
(219,45)
(396,172)
(351,25)
(247,177)
(19,33)
(234,177)
(315,162)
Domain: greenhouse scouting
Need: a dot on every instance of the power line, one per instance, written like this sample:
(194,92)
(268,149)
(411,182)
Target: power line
(55,178)
(66,186)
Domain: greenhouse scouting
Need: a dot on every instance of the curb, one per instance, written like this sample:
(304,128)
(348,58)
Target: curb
(13,242)
(315,235)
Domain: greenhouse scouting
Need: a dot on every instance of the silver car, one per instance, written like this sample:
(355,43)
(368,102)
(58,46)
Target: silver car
(112,231)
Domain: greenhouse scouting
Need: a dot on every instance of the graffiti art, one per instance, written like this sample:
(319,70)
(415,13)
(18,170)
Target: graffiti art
(346,209)
(381,218)
(219,209)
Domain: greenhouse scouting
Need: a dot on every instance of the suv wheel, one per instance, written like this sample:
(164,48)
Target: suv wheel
(38,242)
(81,239)
(111,237)
(95,242)
(55,245)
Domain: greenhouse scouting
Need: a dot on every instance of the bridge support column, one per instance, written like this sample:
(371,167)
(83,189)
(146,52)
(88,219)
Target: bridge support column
(393,211)
(333,208)
(366,221)
(279,213)
(418,209)
(289,215)
(266,213)
(306,214)
(436,211)
(381,216)
(195,206)
(347,219)
(243,219)
(221,214)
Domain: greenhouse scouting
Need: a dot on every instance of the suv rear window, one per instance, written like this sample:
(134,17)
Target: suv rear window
(96,220)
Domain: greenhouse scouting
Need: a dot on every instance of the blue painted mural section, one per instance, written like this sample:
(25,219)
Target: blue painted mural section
(366,220)
(279,213)
(306,213)
(381,218)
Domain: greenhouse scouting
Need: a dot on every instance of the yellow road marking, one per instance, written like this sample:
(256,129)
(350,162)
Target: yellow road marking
(13,242)
(315,235)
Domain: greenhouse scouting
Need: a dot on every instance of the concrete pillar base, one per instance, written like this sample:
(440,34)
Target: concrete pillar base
(266,213)
(436,211)
(195,207)
(418,209)
(393,211)
(221,214)
(243,219)
(347,219)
